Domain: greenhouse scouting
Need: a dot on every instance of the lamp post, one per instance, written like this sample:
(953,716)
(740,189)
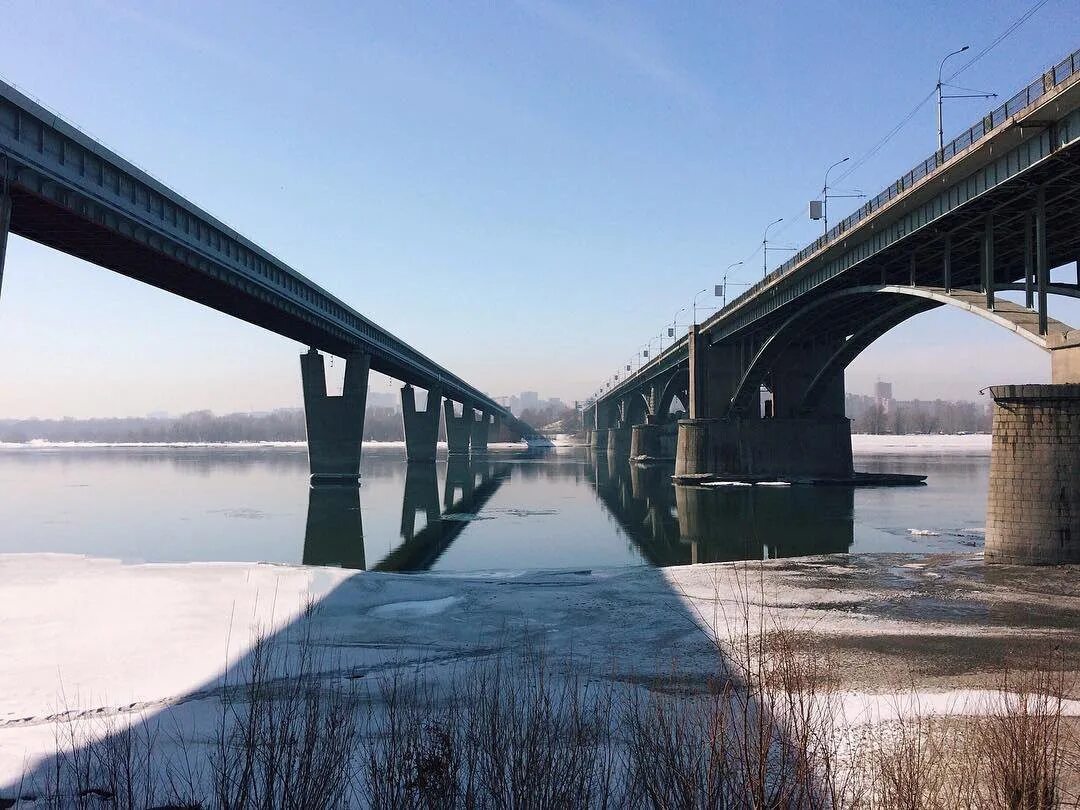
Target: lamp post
(825,193)
(674,323)
(765,247)
(940,128)
(694,305)
(724,288)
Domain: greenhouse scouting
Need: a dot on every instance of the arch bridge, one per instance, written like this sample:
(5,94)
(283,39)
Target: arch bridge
(995,211)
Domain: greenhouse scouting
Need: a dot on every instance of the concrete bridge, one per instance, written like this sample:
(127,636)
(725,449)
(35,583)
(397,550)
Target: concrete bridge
(996,210)
(60,188)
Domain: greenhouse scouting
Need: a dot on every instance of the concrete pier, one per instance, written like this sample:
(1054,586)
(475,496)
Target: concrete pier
(618,443)
(421,427)
(599,439)
(480,433)
(1033,508)
(807,448)
(646,443)
(458,428)
(335,425)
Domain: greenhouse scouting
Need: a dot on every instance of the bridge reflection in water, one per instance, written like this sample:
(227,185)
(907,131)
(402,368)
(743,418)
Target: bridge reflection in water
(679,525)
(668,525)
(335,528)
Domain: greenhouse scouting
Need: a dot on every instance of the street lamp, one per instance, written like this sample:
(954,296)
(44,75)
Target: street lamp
(724,288)
(825,193)
(694,306)
(765,247)
(940,128)
(972,94)
(674,323)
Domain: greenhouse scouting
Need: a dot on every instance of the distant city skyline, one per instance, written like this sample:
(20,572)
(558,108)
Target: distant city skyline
(529,194)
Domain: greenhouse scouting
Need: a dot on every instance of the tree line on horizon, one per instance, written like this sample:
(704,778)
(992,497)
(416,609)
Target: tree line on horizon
(381,424)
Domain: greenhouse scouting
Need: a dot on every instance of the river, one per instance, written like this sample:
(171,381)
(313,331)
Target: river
(508,510)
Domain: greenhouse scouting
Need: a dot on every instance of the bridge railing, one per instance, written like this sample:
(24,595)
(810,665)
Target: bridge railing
(1043,85)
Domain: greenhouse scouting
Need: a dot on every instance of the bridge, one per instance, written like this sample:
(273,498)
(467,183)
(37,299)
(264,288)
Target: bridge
(60,188)
(995,210)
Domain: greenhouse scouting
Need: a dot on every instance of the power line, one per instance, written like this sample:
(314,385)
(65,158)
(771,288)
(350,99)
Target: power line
(1023,18)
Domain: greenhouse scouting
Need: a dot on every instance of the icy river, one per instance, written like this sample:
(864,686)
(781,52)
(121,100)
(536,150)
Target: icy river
(507,511)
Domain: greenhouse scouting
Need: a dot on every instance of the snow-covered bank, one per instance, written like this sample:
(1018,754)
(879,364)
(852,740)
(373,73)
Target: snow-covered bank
(975,444)
(90,638)
(41,444)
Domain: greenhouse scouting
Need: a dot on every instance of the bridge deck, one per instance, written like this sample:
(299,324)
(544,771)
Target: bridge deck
(71,193)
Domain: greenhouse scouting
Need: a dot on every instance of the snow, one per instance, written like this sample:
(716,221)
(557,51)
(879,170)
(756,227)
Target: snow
(921,444)
(96,638)
(427,607)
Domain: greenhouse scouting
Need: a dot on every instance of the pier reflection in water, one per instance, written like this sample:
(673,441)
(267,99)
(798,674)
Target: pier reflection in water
(335,532)
(678,525)
(668,525)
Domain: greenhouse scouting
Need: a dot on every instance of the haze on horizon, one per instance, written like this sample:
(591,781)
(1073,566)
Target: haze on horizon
(527,193)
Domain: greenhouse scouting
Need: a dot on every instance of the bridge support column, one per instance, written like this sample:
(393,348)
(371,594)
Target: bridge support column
(458,428)
(421,427)
(480,432)
(1033,509)
(5,226)
(618,443)
(598,440)
(645,442)
(816,448)
(335,425)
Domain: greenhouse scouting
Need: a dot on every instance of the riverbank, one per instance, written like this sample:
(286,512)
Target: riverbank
(90,638)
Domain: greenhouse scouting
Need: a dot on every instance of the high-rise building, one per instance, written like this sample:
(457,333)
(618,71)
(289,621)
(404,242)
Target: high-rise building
(883,397)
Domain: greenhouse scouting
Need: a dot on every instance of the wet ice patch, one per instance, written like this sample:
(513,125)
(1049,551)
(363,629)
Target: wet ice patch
(464,516)
(426,607)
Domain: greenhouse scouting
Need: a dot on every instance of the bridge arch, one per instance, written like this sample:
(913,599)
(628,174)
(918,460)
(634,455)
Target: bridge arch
(677,386)
(885,306)
(635,409)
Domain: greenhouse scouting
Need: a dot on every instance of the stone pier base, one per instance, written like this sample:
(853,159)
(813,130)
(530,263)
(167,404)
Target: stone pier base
(618,443)
(1033,508)
(804,448)
(598,441)
(646,443)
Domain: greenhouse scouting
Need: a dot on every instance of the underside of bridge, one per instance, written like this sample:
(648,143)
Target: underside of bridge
(995,218)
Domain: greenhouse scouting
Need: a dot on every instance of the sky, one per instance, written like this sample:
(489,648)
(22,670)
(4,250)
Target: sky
(526,191)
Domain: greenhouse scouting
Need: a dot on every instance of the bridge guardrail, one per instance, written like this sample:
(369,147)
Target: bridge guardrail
(1043,85)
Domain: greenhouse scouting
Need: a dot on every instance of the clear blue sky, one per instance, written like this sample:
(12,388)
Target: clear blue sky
(526,191)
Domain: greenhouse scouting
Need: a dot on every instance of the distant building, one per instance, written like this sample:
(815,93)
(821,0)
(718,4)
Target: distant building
(883,397)
(529,400)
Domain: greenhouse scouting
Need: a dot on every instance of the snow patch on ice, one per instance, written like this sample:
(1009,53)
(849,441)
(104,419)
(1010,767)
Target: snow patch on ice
(426,607)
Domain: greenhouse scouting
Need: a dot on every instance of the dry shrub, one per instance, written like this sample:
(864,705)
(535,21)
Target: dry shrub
(516,730)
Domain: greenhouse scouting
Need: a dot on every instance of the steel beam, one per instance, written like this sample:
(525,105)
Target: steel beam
(946,262)
(988,260)
(1041,269)
(1029,264)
